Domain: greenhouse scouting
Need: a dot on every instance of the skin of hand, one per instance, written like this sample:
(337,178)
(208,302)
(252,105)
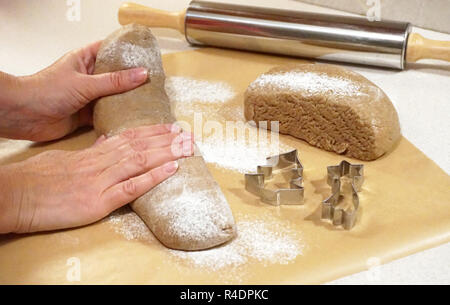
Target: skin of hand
(54,102)
(62,189)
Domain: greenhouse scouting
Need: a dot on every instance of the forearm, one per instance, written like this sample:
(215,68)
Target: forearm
(9,200)
(14,95)
(10,88)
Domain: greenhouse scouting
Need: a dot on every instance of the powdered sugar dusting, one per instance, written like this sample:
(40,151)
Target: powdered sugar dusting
(128,224)
(266,242)
(133,56)
(11,147)
(188,90)
(238,155)
(217,258)
(309,82)
(193,213)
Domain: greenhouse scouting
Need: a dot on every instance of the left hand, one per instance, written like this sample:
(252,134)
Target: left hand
(64,189)
(54,102)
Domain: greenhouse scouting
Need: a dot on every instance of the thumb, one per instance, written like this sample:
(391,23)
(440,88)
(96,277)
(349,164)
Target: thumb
(114,82)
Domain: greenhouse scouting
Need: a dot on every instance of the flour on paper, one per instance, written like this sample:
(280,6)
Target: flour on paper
(263,241)
(266,241)
(238,155)
(194,97)
(184,90)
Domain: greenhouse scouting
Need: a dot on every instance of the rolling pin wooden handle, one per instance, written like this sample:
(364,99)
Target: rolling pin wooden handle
(423,48)
(136,13)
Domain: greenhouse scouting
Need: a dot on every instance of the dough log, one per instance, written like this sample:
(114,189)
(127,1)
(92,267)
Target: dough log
(329,107)
(188,211)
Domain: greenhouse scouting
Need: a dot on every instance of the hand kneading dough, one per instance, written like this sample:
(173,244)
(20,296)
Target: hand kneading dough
(329,107)
(187,211)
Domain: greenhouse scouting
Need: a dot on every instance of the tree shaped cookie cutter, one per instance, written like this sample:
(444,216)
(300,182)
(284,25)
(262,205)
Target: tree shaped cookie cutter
(292,167)
(339,216)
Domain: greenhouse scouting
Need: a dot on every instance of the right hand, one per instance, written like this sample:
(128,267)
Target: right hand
(63,189)
(57,100)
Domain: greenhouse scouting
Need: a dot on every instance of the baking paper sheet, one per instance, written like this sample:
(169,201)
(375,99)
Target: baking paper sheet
(404,209)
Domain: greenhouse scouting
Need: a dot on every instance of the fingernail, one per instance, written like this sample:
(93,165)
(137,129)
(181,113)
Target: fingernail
(188,149)
(187,136)
(171,167)
(174,128)
(100,140)
(139,75)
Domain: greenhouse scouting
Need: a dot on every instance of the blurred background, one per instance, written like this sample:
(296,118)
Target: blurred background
(429,14)
(49,28)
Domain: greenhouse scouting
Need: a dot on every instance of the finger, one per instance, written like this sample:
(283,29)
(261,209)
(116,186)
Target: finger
(144,144)
(164,140)
(183,145)
(87,55)
(99,140)
(127,191)
(133,134)
(93,48)
(99,85)
(140,162)
(90,50)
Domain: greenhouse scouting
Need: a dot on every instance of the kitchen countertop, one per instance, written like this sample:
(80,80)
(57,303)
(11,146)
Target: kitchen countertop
(36,33)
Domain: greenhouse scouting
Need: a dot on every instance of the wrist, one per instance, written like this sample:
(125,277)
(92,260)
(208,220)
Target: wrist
(10,200)
(11,87)
(17,96)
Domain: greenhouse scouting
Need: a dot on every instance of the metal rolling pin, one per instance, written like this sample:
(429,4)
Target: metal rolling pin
(294,33)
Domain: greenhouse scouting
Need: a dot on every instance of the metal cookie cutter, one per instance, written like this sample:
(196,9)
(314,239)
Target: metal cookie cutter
(339,216)
(254,183)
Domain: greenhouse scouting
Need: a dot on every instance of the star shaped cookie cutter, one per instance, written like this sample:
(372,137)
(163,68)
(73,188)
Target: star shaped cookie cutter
(291,166)
(339,216)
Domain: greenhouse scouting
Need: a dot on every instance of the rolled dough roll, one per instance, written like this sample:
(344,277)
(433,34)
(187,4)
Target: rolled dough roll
(329,107)
(188,211)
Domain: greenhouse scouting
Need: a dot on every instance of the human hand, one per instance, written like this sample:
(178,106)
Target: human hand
(54,102)
(62,189)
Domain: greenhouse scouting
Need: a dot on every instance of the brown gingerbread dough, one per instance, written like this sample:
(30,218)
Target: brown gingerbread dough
(188,211)
(328,106)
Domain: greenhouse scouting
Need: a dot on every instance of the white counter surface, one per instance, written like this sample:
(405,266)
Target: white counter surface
(35,33)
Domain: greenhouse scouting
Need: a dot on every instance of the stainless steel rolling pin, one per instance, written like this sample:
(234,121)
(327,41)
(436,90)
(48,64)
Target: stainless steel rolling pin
(320,36)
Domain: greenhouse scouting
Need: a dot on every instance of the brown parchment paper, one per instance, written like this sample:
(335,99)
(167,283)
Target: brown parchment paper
(404,208)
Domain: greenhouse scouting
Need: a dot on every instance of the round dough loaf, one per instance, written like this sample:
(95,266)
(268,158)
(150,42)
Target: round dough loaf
(328,106)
